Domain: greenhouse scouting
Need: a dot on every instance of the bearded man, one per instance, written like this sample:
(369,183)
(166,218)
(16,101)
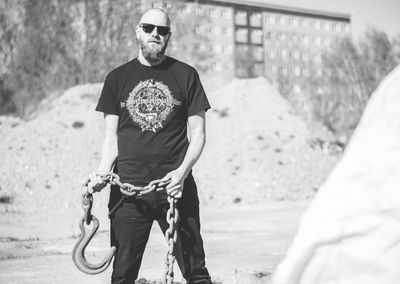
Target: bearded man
(150,104)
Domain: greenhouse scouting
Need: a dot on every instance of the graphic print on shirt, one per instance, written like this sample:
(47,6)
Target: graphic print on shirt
(149,104)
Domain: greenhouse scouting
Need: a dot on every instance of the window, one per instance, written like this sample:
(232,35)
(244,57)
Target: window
(199,11)
(225,14)
(198,29)
(336,27)
(256,19)
(296,54)
(226,48)
(212,48)
(274,19)
(241,35)
(284,53)
(318,40)
(306,39)
(256,36)
(258,69)
(297,71)
(257,53)
(188,9)
(271,53)
(327,26)
(241,18)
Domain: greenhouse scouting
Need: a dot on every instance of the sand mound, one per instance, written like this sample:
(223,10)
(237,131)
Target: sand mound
(257,149)
(43,160)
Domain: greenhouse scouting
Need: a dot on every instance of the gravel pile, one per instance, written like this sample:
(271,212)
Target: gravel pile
(257,150)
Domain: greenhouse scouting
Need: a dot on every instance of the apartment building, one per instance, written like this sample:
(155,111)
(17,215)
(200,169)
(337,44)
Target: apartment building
(255,38)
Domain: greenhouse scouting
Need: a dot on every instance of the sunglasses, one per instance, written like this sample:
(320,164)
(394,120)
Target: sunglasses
(161,30)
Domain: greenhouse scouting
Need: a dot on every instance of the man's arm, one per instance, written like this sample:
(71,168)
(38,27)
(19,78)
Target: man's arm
(109,153)
(197,140)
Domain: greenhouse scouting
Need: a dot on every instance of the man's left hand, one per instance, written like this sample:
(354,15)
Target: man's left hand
(175,187)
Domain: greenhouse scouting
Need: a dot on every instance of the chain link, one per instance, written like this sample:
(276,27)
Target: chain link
(87,203)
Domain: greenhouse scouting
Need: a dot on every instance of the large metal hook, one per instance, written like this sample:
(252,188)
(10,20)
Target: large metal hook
(78,253)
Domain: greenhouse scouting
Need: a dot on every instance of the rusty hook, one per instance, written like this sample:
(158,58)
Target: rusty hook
(78,253)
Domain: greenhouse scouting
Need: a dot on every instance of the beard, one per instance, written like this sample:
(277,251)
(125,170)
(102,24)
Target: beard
(152,52)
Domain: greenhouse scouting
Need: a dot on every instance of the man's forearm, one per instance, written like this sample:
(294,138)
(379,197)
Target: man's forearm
(109,154)
(196,145)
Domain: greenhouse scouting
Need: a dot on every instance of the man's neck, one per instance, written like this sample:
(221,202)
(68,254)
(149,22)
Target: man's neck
(145,62)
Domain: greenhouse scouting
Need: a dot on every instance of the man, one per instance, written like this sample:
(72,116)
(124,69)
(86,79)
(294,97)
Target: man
(149,105)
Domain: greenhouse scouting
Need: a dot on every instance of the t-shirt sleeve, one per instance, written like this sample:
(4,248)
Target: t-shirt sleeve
(108,101)
(197,99)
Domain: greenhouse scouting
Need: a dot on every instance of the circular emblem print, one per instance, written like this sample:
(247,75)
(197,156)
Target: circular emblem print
(149,104)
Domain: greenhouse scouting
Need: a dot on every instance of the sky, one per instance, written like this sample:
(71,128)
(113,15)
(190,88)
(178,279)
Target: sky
(381,14)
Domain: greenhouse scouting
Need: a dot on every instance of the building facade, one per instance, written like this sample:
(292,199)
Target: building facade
(254,38)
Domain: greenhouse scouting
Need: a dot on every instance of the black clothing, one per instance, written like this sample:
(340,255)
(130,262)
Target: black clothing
(153,104)
(130,229)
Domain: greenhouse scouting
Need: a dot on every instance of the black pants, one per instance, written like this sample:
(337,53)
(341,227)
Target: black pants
(130,229)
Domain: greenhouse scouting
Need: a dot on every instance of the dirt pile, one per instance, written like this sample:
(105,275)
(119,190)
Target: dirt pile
(257,149)
(43,160)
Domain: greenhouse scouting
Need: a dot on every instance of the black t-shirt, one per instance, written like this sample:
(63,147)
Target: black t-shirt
(153,105)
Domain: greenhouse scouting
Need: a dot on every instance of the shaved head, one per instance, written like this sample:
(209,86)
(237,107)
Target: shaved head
(153,44)
(156,17)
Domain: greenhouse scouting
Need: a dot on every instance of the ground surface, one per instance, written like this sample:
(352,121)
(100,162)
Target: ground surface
(243,245)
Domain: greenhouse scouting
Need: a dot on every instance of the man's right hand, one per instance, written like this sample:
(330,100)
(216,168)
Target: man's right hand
(94,183)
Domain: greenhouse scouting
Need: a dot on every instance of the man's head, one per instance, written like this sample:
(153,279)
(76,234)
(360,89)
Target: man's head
(153,33)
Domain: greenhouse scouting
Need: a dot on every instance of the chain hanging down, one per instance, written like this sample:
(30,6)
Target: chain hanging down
(126,189)
(170,237)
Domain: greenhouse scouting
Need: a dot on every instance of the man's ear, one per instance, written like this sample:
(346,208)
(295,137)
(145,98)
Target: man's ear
(137,31)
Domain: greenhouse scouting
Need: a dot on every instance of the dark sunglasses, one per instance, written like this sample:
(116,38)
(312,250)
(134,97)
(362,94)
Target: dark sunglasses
(161,30)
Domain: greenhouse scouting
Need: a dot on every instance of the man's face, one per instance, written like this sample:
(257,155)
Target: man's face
(152,39)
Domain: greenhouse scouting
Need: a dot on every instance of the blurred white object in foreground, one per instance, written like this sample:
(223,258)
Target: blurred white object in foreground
(351,231)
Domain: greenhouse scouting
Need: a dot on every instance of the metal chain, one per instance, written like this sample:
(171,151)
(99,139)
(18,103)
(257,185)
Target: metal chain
(170,237)
(128,189)
(172,215)
(132,190)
